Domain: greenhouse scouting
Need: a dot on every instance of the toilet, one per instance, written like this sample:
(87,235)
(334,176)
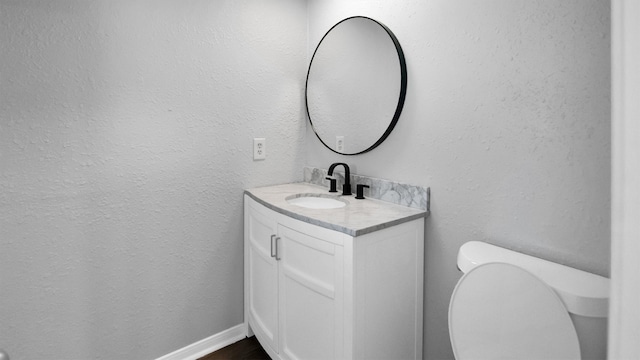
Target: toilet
(509,305)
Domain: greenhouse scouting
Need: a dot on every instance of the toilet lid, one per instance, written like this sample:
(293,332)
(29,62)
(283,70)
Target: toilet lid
(500,311)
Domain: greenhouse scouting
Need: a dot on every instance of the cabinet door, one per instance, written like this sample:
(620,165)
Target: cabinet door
(263,275)
(311,304)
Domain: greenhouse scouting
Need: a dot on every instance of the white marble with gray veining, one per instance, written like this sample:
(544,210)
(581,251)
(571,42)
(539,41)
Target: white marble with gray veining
(359,217)
(390,191)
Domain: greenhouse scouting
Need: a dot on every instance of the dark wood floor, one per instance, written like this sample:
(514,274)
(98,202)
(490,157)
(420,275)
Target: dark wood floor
(247,349)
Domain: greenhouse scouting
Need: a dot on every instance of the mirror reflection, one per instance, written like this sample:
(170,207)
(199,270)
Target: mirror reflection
(356,85)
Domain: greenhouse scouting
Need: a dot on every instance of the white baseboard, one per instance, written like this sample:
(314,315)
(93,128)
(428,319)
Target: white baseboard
(208,345)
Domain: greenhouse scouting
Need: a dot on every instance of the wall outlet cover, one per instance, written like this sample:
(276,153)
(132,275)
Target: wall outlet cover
(259,148)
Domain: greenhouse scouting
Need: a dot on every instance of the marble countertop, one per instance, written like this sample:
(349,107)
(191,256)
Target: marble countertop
(359,217)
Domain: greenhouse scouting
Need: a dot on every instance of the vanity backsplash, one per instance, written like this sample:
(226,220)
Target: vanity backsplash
(413,196)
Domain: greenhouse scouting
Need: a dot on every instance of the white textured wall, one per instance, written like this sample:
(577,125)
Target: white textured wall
(507,119)
(125,142)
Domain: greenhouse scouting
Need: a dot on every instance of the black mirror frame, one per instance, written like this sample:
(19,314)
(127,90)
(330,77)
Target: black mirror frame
(403,87)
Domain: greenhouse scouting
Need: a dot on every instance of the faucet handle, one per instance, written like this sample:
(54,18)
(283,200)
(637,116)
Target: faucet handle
(332,184)
(360,191)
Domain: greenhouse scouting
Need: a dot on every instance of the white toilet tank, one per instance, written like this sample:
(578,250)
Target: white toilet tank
(585,295)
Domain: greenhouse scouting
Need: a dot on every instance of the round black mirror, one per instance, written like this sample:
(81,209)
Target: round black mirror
(356,85)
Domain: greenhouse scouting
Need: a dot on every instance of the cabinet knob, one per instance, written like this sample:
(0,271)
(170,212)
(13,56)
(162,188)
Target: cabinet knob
(273,254)
(274,247)
(278,258)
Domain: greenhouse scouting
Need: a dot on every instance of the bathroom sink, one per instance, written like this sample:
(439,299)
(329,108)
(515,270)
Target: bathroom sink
(316,201)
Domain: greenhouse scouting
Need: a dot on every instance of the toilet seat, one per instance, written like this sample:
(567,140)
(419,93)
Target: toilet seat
(500,311)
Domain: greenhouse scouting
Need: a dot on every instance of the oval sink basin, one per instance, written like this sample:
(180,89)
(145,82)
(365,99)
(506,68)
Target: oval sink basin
(316,201)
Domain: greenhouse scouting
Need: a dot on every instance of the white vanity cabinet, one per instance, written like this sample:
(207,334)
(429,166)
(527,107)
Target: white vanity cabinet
(316,293)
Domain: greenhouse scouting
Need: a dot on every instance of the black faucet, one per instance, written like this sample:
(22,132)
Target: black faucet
(346,187)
